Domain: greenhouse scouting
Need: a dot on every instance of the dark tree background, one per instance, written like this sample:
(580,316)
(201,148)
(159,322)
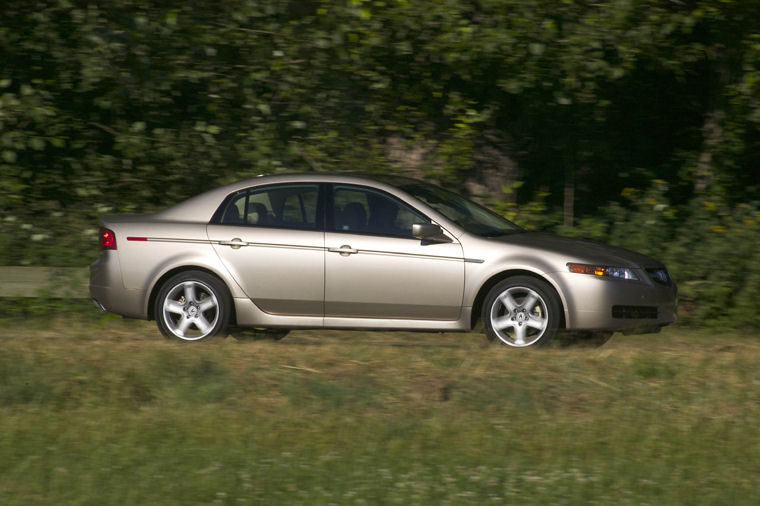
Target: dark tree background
(632,121)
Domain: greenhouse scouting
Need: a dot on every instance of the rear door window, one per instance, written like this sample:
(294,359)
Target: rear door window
(280,206)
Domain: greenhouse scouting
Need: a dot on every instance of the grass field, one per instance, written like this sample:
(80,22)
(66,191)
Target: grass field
(108,412)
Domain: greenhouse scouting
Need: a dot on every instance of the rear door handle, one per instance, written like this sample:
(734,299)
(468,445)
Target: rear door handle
(236,243)
(344,250)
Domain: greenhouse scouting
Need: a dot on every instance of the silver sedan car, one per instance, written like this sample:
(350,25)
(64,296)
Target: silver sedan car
(343,252)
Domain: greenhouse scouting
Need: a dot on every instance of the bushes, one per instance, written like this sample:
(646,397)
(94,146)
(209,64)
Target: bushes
(715,257)
(140,105)
(711,248)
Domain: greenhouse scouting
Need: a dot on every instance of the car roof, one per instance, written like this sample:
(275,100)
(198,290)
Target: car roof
(202,206)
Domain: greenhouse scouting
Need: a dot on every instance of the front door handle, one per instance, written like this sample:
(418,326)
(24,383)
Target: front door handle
(236,243)
(344,250)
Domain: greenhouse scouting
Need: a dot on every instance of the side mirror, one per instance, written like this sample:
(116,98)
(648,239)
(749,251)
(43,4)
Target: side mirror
(429,232)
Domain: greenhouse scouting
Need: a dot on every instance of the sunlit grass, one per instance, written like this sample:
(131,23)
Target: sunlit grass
(110,413)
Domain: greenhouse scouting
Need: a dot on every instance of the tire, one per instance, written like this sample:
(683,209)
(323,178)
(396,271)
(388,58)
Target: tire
(193,305)
(520,312)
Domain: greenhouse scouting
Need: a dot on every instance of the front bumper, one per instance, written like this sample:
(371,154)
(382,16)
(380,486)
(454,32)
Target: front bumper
(598,303)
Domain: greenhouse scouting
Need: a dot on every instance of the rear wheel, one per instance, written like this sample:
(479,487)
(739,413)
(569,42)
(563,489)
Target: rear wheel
(521,311)
(192,305)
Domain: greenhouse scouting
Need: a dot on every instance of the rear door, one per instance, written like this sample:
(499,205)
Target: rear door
(272,242)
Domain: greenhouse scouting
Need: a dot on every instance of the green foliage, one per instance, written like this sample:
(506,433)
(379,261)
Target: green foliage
(645,221)
(715,255)
(133,107)
(532,215)
(710,247)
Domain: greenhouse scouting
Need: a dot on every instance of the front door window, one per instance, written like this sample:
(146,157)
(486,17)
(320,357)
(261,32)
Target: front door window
(367,211)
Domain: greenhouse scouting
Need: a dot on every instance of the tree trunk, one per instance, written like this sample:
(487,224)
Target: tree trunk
(712,137)
(569,206)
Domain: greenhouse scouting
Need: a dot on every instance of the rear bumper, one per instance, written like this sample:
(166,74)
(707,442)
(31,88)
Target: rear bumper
(107,288)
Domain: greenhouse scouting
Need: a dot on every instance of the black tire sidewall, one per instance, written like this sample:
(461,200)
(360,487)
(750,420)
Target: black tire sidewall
(542,288)
(219,290)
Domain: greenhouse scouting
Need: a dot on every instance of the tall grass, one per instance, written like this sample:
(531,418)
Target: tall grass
(110,413)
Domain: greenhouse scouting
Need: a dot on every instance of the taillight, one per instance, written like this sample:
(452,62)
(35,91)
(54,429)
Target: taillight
(107,239)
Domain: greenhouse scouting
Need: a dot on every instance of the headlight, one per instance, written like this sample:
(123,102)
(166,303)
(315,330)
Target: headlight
(603,270)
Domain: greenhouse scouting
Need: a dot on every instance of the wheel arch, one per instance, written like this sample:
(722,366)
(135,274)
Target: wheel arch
(477,305)
(177,270)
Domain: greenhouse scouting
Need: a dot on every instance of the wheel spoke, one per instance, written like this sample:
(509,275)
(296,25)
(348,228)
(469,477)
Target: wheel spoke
(184,324)
(189,292)
(519,335)
(529,302)
(203,324)
(172,306)
(536,323)
(502,323)
(207,303)
(508,301)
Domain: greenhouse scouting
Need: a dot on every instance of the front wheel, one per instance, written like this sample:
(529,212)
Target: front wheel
(192,305)
(521,311)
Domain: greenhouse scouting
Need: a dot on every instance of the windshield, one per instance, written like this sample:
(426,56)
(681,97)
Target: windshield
(470,216)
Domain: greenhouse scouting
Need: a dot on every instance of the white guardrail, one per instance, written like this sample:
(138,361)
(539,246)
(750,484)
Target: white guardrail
(58,282)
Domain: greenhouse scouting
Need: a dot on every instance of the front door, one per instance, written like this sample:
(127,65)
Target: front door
(374,268)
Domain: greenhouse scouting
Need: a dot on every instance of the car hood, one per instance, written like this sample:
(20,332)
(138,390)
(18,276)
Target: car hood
(581,250)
